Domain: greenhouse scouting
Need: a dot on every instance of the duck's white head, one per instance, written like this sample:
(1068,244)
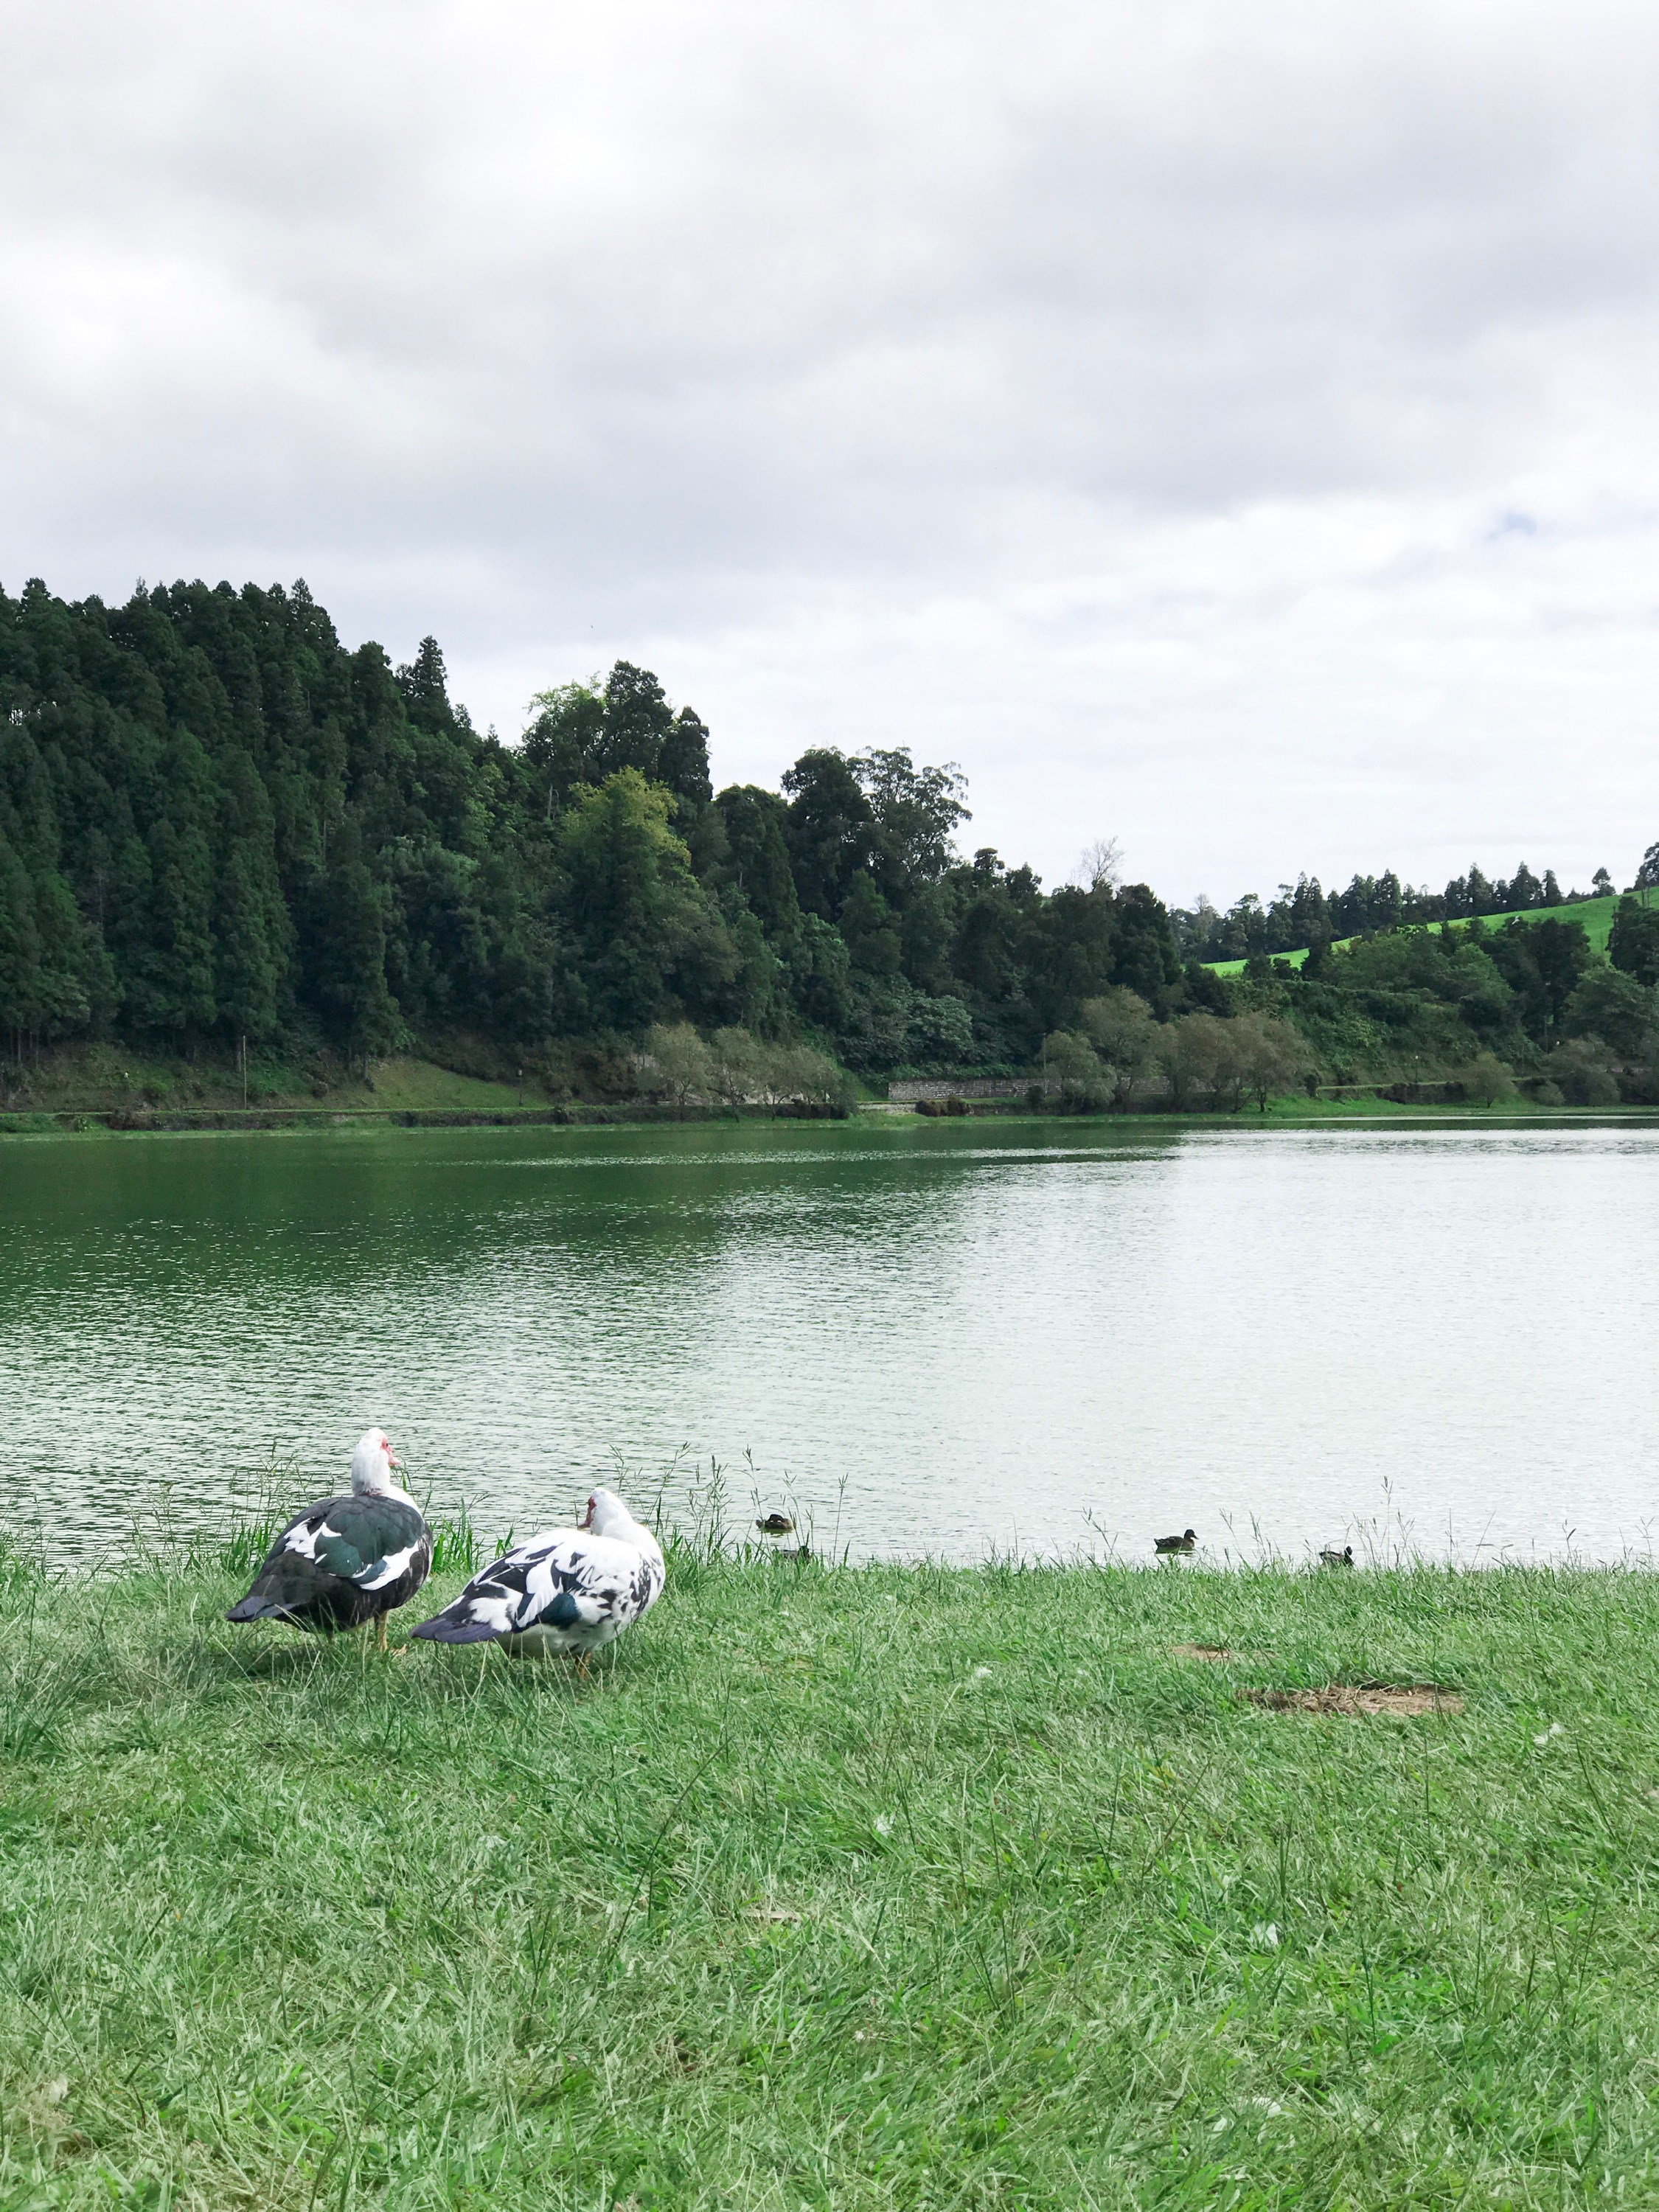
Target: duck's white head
(371,1463)
(606,1514)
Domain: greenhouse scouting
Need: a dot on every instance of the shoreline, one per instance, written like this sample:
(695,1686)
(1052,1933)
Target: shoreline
(102,1120)
(138,1557)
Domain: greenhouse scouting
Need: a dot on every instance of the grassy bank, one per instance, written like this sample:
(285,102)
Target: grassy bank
(838,1889)
(100,1088)
(1293,1108)
(111,1086)
(111,1079)
(106,1078)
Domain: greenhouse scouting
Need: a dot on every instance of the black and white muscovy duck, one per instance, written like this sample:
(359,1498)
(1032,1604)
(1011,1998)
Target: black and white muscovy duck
(567,1589)
(346,1560)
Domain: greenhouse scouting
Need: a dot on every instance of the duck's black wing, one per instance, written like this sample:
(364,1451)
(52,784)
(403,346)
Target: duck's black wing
(340,1563)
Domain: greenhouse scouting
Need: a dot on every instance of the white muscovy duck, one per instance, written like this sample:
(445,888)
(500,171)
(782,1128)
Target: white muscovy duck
(567,1589)
(346,1560)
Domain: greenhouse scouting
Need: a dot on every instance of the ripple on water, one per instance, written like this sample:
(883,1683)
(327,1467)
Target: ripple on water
(933,1341)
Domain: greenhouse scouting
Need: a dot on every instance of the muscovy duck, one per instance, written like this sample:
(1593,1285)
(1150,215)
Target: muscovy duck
(567,1589)
(346,1560)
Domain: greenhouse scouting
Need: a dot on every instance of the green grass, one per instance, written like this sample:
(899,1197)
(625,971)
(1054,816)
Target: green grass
(103,1078)
(853,1889)
(1595,914)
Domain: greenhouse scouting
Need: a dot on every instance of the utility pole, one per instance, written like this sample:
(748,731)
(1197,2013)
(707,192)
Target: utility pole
(244,1059)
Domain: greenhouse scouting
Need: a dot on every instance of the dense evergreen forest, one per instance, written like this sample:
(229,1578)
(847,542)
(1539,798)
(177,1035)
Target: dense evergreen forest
(218,824)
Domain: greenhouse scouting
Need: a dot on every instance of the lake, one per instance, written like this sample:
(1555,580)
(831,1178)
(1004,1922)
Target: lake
(926,1337)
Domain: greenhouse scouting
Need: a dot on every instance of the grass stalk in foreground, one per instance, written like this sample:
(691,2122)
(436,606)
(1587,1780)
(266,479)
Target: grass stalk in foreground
(853,1888)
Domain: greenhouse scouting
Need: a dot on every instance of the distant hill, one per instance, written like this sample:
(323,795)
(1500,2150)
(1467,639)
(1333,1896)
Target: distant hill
(1594,915)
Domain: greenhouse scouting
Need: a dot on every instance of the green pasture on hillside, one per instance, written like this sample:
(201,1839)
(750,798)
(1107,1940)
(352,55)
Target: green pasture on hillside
(1595,915)
(838,1888)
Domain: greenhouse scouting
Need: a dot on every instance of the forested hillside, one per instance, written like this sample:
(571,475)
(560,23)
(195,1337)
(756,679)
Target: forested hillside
(217,822)
(1306,915)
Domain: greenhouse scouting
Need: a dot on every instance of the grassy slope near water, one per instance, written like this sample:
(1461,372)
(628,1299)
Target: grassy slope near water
(109,1078)
(840,1889)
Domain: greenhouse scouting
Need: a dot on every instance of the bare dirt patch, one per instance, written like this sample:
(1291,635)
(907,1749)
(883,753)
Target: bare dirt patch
(1404,1699)
(1210,1651)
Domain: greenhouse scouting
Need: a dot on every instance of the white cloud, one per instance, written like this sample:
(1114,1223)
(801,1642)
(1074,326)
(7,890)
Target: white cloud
(1228,428)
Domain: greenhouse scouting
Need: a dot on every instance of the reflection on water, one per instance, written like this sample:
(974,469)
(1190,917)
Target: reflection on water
(937,1338)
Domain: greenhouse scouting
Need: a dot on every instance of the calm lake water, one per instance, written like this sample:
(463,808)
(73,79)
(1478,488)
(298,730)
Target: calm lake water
(929,1338)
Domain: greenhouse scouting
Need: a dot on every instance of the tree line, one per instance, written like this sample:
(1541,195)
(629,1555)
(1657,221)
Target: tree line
(1525,1008)
(217,822)
(1520,1006)
(1303,914)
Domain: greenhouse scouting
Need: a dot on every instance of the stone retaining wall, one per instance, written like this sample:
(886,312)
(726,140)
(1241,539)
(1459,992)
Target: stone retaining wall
(978,1086)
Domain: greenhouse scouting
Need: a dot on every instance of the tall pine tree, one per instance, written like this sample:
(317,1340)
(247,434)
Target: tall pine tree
(345,951)
(19,950)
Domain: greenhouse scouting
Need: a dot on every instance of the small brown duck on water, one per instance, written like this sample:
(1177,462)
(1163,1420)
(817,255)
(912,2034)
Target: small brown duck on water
(776,1524)
(1176,1543)
(1330,1558)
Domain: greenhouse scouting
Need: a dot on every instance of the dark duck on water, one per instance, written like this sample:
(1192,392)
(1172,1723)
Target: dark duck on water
(567,1589)
(346,1560)
(1173,1544)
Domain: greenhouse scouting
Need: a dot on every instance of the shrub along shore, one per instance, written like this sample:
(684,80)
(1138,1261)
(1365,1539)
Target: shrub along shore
(839,1887)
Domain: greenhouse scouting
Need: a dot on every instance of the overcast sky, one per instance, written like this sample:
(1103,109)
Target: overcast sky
(1233,429)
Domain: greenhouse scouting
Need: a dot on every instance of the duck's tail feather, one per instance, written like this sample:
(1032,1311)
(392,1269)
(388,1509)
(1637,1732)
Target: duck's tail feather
(444,1628)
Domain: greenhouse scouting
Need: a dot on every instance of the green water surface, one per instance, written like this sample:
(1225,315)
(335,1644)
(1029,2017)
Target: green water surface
(927,1337)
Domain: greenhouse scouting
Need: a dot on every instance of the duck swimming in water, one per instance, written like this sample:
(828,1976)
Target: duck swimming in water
(1167,1544)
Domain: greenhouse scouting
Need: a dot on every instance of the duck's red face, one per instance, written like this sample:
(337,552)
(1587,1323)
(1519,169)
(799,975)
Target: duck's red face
(587,1521)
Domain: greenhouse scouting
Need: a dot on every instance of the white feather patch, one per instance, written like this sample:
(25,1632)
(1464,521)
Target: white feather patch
(393,1564)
